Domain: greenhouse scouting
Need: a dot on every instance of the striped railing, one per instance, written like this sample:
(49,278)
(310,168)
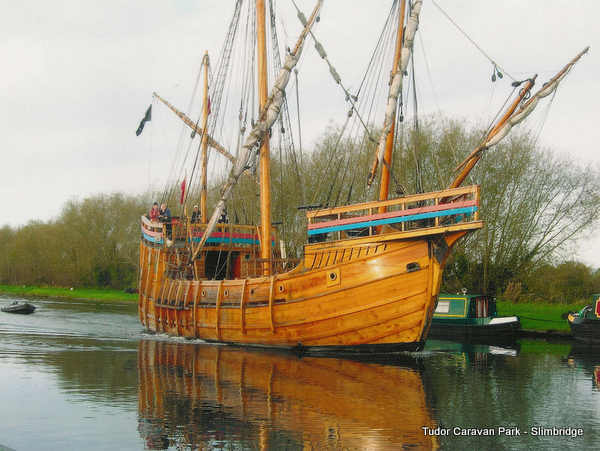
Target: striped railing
(152,231)
(419,211)
(224,234)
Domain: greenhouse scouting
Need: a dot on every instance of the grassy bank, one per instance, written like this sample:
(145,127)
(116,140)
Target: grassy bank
(89,294)
(539,316)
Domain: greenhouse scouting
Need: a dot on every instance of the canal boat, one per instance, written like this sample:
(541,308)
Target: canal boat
(369,274)
(24,308)
(471,316)
(585,324)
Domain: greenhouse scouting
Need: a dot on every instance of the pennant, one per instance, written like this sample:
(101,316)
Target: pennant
(147,118)
(208,107)
(182,190)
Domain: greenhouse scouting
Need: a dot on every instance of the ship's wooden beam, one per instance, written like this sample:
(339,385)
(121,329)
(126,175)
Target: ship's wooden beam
(190,123)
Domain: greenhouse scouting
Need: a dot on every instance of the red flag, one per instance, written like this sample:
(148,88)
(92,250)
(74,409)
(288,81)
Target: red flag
(182,191)
(208,107)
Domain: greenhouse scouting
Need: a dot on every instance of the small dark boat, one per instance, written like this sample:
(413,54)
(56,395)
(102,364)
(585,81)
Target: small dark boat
(19,307)
(471,317)
(585,324)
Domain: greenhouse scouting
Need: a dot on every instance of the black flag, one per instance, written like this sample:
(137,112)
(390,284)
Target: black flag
(147,117)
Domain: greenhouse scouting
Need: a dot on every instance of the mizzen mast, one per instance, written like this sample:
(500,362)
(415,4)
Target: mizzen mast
(265,158)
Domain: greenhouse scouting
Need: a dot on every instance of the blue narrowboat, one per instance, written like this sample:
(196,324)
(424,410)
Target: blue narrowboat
(471,316)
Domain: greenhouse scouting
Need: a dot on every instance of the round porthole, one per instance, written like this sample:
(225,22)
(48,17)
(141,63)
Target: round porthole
(251,290)
(281,288)
(203,293)
(332,276)
(226,293)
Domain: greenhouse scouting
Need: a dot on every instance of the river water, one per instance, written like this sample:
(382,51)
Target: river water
(79,375)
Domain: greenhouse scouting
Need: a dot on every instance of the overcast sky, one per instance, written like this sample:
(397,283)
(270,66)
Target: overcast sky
(77,77)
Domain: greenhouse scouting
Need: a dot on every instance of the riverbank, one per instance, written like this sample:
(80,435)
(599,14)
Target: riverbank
(539,317)
(86,294)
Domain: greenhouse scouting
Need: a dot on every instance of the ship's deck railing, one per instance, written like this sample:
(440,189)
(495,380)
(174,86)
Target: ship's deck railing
(414,212)
(179,230)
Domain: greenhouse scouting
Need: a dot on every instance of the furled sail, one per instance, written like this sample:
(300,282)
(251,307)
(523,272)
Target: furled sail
(526,109)
(501,130)
(396,86)
(268,116)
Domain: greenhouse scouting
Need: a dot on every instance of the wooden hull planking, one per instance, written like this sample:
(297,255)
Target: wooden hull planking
(350,297)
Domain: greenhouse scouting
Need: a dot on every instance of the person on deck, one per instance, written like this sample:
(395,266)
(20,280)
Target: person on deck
(165,217)
(154,212)
(195,215)
(223,219)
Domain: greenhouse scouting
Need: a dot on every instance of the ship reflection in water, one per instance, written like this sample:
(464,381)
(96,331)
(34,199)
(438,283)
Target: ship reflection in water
(203,396)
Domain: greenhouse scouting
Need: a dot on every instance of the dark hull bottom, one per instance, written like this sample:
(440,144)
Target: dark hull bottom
(355,351)
(21,310)
(489,333)
(587,331)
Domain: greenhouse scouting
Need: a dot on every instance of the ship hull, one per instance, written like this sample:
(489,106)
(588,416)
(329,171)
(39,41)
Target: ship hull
(345,298)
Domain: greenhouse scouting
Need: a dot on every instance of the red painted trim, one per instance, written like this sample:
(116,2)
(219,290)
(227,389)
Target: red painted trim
(245,236)
(394,214)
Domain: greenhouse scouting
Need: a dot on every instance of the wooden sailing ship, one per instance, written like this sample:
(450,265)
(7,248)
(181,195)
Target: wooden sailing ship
(370,273)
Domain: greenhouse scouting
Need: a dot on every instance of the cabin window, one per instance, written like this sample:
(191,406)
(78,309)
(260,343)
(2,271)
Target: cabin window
(443,307)
(411,267)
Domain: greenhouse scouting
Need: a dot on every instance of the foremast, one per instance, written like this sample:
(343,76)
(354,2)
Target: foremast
(384,185)
(395,88)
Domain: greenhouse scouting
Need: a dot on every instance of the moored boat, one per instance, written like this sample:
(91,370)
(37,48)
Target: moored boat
(471,317)
(23,308)
(585,324)
(368,278)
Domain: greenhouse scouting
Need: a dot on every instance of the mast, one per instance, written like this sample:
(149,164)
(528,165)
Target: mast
(384,187)
(412,23)
(265,163)
(205,112)
(260,130)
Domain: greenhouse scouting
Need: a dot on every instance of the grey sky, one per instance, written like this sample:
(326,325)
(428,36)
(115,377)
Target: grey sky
(77,77)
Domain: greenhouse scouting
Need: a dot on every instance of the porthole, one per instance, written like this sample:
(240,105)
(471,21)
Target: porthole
(332,276)
(226,293)
(281,288)
(251,290)
(203,293)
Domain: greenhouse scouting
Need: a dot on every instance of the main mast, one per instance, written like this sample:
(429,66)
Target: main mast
(265,164)
(205,112)
(384,187)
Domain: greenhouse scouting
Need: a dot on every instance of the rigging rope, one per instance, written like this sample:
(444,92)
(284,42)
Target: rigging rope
(472,41)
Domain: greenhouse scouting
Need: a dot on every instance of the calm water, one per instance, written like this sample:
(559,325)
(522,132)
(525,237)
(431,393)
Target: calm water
(80,376)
